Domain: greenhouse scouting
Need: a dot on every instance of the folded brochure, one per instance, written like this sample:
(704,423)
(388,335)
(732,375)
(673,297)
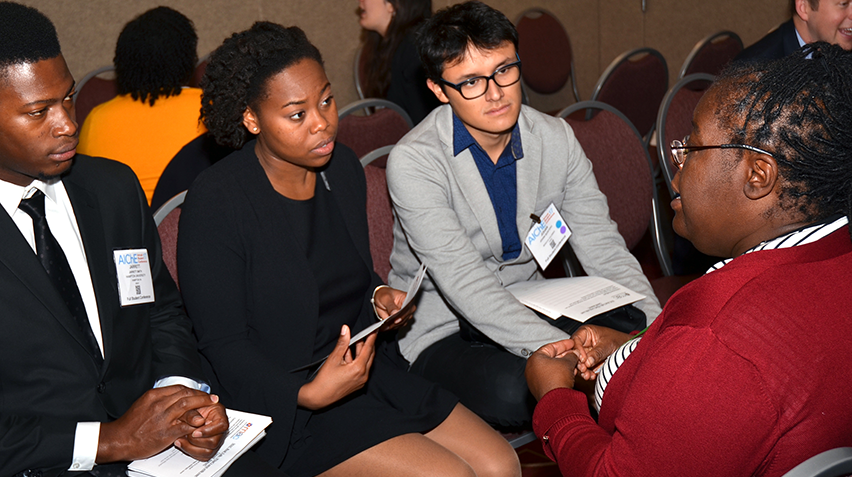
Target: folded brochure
(244,430)
(578,298)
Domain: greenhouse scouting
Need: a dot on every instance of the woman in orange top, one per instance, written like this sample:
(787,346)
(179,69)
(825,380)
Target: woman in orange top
(155,115)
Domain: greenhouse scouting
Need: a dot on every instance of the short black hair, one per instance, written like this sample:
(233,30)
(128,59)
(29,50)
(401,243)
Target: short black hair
(445,37)
(155,54)
(26,36)
(238,72)
(800,110)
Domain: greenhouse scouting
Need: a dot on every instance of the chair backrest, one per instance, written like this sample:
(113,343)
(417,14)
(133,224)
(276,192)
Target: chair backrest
(379,210)
(167,218)
(831,463)
(93,90)
(674,120)
(198,73)
(635,83)
(711,54)
(624,173)
(359,69)
(545,49)
(365,133)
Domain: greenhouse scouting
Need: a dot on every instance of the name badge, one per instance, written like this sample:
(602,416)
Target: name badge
(134,277)
(547,236)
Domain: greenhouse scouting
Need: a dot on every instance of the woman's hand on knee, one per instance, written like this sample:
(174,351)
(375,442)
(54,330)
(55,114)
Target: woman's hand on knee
(341,374)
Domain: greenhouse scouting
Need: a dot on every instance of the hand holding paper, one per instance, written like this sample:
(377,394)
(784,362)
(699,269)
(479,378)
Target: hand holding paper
(392,308)
(341,373)
(403,309)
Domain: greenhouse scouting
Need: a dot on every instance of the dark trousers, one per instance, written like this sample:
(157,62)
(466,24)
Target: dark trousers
(489,380)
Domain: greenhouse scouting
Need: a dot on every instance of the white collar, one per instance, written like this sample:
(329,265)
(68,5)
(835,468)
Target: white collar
(802,236)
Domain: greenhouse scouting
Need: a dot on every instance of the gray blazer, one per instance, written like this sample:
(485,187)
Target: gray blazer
(445,219)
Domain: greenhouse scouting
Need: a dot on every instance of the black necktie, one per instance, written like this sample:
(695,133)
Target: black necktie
(54,262)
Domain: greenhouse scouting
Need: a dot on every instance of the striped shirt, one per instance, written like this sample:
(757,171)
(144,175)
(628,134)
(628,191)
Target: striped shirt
(802,236)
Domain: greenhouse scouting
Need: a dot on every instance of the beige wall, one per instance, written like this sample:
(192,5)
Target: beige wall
(599,29)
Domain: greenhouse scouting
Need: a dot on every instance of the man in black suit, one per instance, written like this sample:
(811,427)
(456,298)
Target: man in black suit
(813,20)
(97,360)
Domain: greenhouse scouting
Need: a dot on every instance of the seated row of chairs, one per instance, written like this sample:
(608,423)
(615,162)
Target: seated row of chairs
(634,83)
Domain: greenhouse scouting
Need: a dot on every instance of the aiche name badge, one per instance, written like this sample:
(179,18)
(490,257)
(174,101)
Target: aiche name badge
(133,269)
(547,235)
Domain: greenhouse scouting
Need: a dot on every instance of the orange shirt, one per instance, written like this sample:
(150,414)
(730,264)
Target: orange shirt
(142,136)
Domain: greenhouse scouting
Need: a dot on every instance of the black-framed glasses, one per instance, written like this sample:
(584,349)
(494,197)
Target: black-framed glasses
(680,150)
(472,88)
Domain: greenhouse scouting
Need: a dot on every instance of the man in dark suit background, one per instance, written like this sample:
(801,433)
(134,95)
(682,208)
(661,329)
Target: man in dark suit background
(812,20)
(79,358)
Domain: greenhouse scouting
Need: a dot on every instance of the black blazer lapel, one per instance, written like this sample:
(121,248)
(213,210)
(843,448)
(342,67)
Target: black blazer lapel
(91,226)
(17,255)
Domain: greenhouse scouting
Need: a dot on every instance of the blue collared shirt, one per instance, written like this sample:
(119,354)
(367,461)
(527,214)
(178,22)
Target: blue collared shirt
(501,181)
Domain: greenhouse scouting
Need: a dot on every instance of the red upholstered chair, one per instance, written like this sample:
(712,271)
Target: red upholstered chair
(545,49)
(98,86)
(364,133)
(674,120)
(712,54)
(623,170)
(167,218)
(379,210)
(635,83)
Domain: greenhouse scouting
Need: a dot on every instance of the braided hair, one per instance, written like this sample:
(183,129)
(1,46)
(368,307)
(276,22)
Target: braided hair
(799,108)
(26,36)
(155,55)
(238,72)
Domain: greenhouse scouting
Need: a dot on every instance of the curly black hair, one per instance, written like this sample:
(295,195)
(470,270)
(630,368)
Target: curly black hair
(26,36)
(155,55)
(799,108)
(237,74)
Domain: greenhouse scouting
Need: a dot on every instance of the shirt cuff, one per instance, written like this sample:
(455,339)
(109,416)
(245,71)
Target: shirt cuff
(85,446)
(190,383)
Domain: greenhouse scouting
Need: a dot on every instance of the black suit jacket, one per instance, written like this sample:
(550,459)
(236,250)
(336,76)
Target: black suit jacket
(48,381)
(249,288)
(776,44)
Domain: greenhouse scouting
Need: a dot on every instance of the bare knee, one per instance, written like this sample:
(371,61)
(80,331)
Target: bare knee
(501,461)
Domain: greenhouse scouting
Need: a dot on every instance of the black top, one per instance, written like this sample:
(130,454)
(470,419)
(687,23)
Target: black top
(408,82)
(197,155)
(261,276)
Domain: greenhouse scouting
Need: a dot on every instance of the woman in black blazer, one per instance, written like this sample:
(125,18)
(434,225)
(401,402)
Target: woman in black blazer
(276,273)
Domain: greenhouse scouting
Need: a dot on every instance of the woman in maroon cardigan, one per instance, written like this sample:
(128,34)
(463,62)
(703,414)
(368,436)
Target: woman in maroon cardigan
(745,371)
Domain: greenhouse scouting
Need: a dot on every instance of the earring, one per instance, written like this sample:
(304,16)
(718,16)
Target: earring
(254,129)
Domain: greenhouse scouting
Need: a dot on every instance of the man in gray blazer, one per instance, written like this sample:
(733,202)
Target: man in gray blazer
(464,184)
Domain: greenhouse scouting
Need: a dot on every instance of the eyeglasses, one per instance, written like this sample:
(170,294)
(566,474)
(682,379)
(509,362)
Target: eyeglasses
(475,87)
(680,150)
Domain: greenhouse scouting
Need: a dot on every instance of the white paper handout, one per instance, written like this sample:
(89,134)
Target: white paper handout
(244,430)
(578,298)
